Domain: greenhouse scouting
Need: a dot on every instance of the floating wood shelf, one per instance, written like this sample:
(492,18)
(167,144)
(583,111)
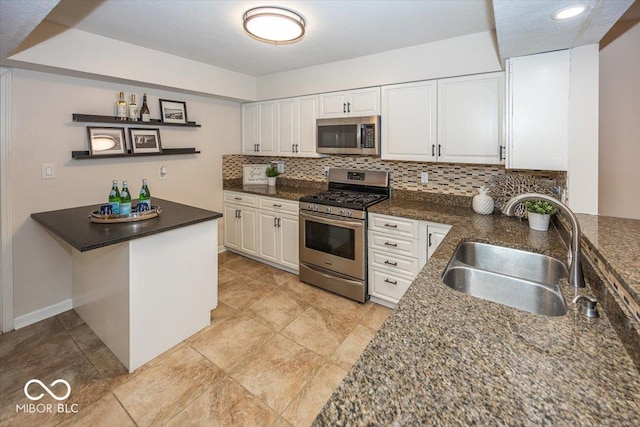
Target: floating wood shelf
(84,155)
(90,118)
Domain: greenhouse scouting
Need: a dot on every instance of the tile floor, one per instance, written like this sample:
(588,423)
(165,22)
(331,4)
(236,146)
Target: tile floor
(273,354)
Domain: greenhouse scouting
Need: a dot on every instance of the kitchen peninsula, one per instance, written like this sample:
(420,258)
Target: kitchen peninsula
(141,286)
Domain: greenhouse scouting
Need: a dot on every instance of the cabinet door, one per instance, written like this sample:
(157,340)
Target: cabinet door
(248,231)
(249,128)
(471,119)
(435,235)
(538,104)
(364,102)
(268,235)
(307,114)
(332,105)
(286,126)
(409,121)
(289,241)
(267,128)
(231,227)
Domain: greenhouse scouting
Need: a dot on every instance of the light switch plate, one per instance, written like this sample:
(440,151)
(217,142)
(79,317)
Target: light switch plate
(162,172)
(48,171)
(424,177)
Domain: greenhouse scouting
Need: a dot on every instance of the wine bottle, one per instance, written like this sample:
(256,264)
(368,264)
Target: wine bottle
(125,200)
(133,109)
(145,194)
(121,108)
(145,115)
(114,198)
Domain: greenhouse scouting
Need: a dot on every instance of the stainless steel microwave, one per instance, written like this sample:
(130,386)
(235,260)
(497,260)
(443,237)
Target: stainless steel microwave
(349,135)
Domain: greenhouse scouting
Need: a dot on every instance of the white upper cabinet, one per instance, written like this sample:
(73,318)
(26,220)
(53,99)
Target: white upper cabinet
(408,124)
(360,102)
(296,126)
(286,124)
(538,111)
(471,119)
(259,128)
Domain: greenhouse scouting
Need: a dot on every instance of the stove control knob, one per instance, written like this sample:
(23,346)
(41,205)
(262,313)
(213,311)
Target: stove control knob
(341,212)
(349,213)
(309,207)
(328,209)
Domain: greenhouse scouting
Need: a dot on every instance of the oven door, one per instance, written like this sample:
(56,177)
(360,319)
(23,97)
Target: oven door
(332,243)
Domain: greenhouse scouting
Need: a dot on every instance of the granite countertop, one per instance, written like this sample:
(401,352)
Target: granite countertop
(74,227)
(446,358)
(288,190)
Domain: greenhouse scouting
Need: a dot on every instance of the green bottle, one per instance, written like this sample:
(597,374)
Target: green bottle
(125,200)
(145,195)
(114,198)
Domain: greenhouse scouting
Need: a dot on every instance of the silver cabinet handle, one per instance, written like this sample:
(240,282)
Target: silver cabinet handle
(391,225)
(276,205)
(393,282)
(344,107)
(237,198)
(501,153)
(275,222)
(395,245)
(433,150)
(429,239)
(258,147)
(239,213)
(395,264)
(279,222)
(439,148)
(293,148)
(348,107)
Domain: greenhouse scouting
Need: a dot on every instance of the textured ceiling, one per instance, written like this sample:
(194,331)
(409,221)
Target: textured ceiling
(18,19)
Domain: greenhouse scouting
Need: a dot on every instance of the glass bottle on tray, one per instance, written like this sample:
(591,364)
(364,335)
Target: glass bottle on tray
(125,200)
(114,198)
(145,196)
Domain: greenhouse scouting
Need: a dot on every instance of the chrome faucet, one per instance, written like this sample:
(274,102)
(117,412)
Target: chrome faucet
(576,278)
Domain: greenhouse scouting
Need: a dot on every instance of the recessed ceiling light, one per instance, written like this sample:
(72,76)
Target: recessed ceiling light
(275,25)
(568,12)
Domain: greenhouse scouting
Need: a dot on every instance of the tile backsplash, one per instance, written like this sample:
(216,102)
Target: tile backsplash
(444,178)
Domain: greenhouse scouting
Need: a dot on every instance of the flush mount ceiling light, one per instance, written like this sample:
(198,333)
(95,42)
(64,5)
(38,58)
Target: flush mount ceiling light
(274,25)
(568,12)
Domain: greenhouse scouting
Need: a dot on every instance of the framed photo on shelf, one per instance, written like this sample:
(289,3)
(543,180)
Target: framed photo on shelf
(145,140)
(106,140)
(173,111)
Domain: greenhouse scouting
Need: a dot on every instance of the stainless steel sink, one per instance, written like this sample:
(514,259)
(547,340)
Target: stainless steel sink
(516,278)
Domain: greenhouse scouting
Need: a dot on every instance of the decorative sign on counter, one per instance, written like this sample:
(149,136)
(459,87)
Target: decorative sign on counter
(254,174)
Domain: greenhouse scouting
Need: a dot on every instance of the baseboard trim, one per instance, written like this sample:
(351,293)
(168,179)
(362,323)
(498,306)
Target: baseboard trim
(221,249)
(43,313)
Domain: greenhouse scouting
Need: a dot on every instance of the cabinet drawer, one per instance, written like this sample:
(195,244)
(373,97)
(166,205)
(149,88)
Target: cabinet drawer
(387,286)
(394,263)
(278,205)
(240,198)
(394,244)
(394,225)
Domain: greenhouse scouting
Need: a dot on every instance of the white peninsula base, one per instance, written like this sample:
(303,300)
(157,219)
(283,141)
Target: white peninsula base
(144,296)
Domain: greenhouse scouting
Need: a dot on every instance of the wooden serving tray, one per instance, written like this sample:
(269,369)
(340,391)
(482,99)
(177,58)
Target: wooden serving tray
(96,217)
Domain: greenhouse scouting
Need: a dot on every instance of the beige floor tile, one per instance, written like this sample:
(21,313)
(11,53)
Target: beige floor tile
(107,412)
(351,348)
(225,404)
(281,423)
(375,316)
(307,404)
(70,319)
(241,292)
(226,257)
(86,385)
(218,315)
(225,276)
(24,339)
(340,305)
(276,309)
(277,371)
(243,266)
(227,342)
(319,330)
(268,274)
(302,291)
(168,386)
(109,367)
(86,339)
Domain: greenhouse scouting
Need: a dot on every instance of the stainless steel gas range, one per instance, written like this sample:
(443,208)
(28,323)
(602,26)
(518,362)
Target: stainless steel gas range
(333,231)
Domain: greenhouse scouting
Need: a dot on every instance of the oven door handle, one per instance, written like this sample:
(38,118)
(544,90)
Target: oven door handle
(330,220)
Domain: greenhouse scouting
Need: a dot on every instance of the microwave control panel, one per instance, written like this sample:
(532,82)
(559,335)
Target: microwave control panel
(368,136)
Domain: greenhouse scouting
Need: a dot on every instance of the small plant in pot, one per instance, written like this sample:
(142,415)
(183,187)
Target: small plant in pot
(539,213)
(272,174)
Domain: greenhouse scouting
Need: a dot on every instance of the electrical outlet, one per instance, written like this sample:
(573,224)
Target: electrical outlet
(326,171)
(424,177)
(162,173)
(48,171)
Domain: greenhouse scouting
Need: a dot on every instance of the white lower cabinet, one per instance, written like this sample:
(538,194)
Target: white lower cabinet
(398,249)
(263,227)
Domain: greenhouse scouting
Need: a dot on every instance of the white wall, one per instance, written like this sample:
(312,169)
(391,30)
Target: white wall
(43,132)
(619,171)
(582,173)
(476,53)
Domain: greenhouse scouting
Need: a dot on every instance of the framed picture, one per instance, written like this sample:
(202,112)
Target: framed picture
(106,140)
(173,111)
(144,140)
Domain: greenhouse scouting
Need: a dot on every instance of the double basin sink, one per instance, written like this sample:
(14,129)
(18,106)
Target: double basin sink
(512,277)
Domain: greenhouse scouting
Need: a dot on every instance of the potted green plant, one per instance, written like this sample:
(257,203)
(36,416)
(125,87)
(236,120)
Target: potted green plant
(539,213)
(272,174)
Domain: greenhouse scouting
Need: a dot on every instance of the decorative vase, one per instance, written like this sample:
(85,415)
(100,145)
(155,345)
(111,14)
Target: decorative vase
(483,202)
(539,222)
(271,180)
